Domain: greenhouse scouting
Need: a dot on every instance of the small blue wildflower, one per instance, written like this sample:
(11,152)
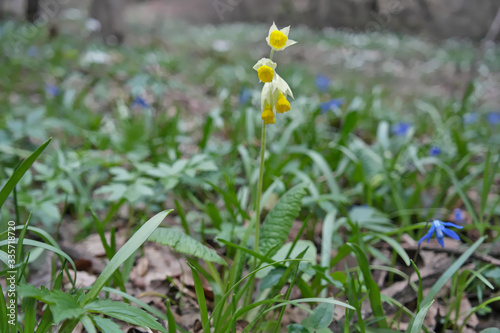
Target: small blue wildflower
(493,117)
(32,51)
(322,83)
(434,151)
(400,128)
(331,105)
(139,101)
(52,89)
(470,118)
(245,95)
(440,228)
(459,215)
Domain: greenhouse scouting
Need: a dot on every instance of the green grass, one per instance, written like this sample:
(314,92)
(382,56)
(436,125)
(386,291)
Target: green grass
(196,150)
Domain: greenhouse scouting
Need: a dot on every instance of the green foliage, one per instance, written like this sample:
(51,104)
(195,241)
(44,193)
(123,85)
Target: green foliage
(364,187)
(278,222)
(183,243)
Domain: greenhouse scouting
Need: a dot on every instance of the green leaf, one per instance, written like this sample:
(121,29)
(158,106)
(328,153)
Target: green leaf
(3,312)
(395,245)
(19,172)
(322,316)
(371,285)
(88,324)
(450,272)
(106,325)
(297,328)
(57,251)
(349,123)
(321,163)
(491,330)
(183,243)
(272,278)
(419,318)
(29,309)
(200,295)
(126,251)
(63,306)
(278,222)
(124,312)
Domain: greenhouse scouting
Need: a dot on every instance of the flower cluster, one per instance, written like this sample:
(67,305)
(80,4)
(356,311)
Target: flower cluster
(275,89)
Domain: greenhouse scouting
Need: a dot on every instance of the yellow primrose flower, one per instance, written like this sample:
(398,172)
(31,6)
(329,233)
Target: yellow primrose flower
(268,115)
(265,69)
(278,39)
(271,92)
(282,105)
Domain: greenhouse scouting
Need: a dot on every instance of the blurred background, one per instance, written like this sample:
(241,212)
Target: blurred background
(438,19)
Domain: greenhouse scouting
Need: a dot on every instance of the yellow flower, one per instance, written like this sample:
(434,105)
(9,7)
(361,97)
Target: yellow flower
(271,92)
(278,39)
(282,105)
(268,115)
(265,73)
(265,69)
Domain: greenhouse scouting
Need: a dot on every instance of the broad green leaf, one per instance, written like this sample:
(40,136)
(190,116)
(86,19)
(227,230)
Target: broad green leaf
(124,312)
(19,172)
(126,251)
(183,243)
(322,316)
(63,306)
(450,272)
(272,278)
(278,222)
(419,318)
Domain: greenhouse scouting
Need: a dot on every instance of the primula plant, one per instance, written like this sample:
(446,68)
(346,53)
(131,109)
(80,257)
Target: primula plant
(306,229)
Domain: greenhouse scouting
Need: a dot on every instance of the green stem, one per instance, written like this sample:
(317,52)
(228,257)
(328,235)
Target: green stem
(248,297)
(259,189)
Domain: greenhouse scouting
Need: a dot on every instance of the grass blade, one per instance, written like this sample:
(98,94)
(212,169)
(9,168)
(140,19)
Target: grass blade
(200,295)
(126,251)
(450,272)
(19,172)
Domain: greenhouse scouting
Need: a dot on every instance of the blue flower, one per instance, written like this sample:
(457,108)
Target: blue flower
(331,105)
(493,117)
(139,101)
(459,215)
(434,151)
(439,227)
(322,83)
(52,89)
(32,51)
(470,118)
(400,128)
(245,95)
